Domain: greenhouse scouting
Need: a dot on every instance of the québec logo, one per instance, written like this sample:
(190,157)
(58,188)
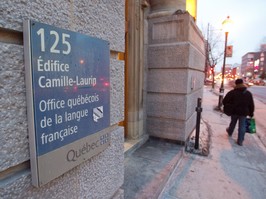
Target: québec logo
(97,113)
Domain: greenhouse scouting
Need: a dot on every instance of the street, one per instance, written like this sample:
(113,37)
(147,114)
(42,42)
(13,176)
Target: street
(259,94)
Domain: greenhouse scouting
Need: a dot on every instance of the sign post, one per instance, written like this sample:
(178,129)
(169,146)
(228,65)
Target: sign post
(68,98)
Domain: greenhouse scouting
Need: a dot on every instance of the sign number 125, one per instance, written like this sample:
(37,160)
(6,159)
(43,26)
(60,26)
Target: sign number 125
(54,47)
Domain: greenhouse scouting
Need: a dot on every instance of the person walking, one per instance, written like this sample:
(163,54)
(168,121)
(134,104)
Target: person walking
(243,106)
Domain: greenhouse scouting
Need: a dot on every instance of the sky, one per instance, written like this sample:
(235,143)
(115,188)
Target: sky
(249,23)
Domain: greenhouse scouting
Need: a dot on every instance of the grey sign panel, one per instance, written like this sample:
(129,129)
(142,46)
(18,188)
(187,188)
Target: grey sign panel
(68,96)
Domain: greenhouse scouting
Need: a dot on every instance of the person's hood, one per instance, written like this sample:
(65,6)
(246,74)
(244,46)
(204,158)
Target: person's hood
(240,87)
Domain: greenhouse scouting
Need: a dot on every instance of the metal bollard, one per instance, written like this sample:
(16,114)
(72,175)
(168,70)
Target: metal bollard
(198,110)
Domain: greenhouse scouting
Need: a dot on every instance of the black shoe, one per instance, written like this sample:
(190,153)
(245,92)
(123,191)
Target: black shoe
(240,143)
(229,134)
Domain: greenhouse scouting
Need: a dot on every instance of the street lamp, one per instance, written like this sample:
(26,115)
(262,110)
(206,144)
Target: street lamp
(226,27)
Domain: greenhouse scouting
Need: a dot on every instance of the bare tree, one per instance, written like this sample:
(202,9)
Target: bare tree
(214,49)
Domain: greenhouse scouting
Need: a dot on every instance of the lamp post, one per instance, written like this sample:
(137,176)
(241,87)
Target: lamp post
(226,26)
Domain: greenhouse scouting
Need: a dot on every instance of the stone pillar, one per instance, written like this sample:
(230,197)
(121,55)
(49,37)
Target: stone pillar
(166,7)
(176,60)
(134,71)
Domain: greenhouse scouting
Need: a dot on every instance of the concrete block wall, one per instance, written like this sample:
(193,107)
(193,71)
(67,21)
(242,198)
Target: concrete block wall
(176,59)
(102,175)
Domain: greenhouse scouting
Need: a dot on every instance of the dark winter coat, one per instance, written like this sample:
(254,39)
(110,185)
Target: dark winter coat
(242,100)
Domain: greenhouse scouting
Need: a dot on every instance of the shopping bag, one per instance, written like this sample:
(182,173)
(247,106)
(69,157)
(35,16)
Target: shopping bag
(250,125)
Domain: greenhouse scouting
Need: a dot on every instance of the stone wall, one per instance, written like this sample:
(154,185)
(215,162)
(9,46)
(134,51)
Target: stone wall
(102,175)
(176,59)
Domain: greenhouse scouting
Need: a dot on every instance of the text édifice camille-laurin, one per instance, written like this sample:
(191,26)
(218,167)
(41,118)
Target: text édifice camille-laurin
(64,80)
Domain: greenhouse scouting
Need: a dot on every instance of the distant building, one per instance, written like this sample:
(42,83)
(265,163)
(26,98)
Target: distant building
(236,70)
(263,47)
(249,60)
(262,63)
(253,63)
(227,69)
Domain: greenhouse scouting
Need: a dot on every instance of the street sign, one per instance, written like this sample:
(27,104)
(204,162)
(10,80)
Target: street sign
(68,98)
(229,51)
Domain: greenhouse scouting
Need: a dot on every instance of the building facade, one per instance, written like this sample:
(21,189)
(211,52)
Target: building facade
(262,62)
(247,64)
(253,63)
(236,71)
(157,59)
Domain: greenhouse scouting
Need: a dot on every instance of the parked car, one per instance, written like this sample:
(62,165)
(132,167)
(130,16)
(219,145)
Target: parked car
(248,83)
(264,80)
(258,81)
